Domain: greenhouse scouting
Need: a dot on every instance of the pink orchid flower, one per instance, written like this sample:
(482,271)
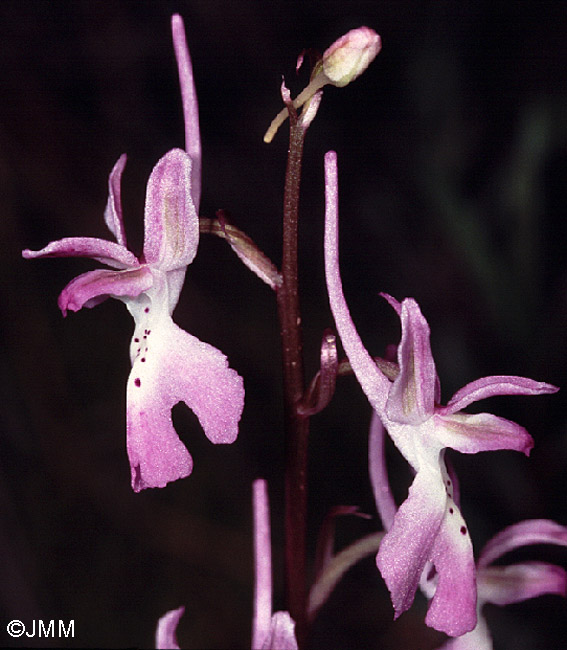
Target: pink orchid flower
(168,364)
(498,585)
(270,631)
(428,527)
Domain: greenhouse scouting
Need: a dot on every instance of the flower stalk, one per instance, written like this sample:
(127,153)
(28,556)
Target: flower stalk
(296,426)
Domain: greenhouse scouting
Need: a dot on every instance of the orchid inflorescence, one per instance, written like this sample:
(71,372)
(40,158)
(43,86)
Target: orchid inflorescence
(425,542)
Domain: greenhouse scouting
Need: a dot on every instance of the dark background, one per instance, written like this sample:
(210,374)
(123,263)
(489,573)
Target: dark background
(452,165)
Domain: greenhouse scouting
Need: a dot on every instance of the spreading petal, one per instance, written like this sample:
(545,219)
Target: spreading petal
(91,288)
(172,366)
(373,382)
(411,399)
(407,546)
(101,250)
(113,212)
(471,433)
(504,585)
(495,385)
(524,533)
(166,638)
(171,224)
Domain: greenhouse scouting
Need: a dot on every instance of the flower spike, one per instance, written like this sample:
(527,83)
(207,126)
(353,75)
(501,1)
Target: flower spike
(428,527)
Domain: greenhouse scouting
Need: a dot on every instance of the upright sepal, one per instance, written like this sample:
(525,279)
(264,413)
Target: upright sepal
(411,397)
(113,211)
(171,224)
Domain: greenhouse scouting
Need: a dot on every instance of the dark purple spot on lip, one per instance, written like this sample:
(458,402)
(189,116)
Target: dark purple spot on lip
(143,359)
(136,340)
(137,381)
(463,530)
(147,310)
(448,481)
(451,511)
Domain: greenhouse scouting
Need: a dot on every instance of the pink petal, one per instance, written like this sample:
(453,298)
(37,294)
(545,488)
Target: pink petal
(171,225)
(373,382)
(263,564)
(172,366)
(453,607)
(379,474)
(504,585)
(407,546)
(91,288)
(190,107)
(471,433)
(113,211)
(166,638)
(395,304)
(496,385)
(282,633)
(524,533)
(412,395)
(106,252)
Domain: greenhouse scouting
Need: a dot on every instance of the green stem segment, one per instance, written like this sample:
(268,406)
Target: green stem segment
(296,426)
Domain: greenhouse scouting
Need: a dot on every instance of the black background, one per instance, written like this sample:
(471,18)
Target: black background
(452,167)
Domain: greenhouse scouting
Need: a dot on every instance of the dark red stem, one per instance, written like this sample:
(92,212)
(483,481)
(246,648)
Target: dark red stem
(296,427)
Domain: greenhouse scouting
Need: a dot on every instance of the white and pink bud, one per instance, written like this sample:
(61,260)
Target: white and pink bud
(349,56)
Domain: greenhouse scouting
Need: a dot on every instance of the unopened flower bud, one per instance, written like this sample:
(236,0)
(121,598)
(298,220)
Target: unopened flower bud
(349,56)
(345,60)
